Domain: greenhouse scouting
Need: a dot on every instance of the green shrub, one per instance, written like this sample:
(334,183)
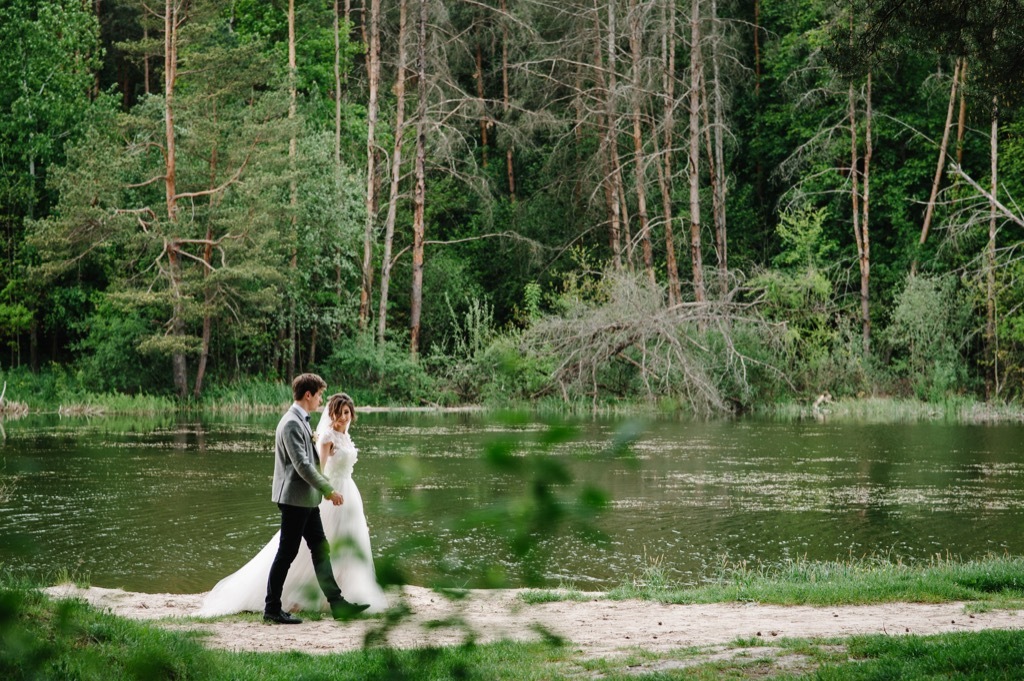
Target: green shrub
(927,332)
(378,374)
(109,356)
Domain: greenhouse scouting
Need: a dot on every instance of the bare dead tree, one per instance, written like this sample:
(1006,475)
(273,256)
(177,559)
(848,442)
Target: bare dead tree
(373,78)
(419,196)
(942,161)
(717,130)
(337,81)
(505,102)
(696,76)
(844,127)
(396,173)
(293,187)
(985,209)
(961,124)
(666,347)
(640,156)
(668,59)
(991,339)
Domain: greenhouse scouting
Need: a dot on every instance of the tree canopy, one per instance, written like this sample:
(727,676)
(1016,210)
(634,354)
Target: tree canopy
(469,195)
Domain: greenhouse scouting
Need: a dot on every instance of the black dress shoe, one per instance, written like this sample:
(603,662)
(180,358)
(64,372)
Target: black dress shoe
(281,618)
(343,610)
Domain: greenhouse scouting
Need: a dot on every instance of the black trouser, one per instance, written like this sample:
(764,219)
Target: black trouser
(298,523)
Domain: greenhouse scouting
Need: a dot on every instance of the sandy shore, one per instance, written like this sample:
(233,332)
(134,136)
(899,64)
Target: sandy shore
(593,627)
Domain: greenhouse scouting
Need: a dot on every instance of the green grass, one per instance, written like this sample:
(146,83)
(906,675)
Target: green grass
(45,639)
(987,655)
(58,387)
(116,403)
(248,395)
(996,579)
(499,661)
(42,638)
(566,592)
(901,410)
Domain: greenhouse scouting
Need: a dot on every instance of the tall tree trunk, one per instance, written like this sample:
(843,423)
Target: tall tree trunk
(478,74)
(757,47)
(696,70)
(293,147)
(668,61)
(337,136)
(620,191)
(396,174)
(758,166)
(940,164)
(862,243)
(204,351)
(961,124)
(170,76)
(638,145)
(337,85)
(605,128)
(373,71)
(33,346)
(420,193)
(712,169)
(612,121)
(97,8)
(718,167)
(179,366)
(991,339)
(505,103)
(204,347)
(145,61)
(865,270)
(362,23)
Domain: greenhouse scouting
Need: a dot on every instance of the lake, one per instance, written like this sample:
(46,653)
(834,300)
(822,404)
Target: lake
(173,504)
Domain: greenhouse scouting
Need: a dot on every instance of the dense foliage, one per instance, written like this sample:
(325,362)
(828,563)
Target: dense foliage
(709,203)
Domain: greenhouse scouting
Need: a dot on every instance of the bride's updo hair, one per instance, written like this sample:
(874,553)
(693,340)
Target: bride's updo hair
(337,401)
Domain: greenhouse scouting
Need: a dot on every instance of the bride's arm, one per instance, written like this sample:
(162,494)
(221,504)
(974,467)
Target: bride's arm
(326,450)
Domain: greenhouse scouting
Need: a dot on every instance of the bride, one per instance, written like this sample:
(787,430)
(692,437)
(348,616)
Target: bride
(344,525)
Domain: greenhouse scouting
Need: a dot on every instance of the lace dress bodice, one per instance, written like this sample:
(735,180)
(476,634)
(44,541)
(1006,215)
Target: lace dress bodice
(339,465)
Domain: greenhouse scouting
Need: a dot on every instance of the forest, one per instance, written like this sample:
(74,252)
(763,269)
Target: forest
(707,204)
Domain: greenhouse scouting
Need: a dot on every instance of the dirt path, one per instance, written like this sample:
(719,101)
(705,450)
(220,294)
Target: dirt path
(596,628)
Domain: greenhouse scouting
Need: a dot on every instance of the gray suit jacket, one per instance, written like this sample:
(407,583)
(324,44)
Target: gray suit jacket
(297,478)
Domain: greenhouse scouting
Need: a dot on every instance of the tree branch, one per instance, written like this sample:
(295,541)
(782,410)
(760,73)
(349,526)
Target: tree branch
(1009,214)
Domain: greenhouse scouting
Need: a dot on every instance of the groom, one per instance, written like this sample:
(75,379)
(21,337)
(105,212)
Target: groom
(298,488)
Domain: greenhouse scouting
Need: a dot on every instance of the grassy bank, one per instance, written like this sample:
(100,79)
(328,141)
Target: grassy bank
(45,639)
(900,410)
(59,390)
(996,581)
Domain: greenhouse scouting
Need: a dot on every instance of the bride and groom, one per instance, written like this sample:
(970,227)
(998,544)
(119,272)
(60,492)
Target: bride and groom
(322,508)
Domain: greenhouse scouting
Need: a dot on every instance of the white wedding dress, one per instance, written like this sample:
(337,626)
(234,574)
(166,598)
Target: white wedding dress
(349,539)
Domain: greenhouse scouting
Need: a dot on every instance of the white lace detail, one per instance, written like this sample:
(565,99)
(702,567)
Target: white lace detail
(343,460)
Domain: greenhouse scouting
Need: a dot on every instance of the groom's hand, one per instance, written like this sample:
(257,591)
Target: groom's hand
(336,498)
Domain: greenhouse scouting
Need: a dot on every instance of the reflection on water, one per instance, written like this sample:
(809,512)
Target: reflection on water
(172,505)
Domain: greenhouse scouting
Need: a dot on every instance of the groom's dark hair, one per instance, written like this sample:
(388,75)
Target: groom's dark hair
(306,383)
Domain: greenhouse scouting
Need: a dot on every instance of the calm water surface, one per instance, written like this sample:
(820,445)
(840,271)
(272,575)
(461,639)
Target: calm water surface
(172,506)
